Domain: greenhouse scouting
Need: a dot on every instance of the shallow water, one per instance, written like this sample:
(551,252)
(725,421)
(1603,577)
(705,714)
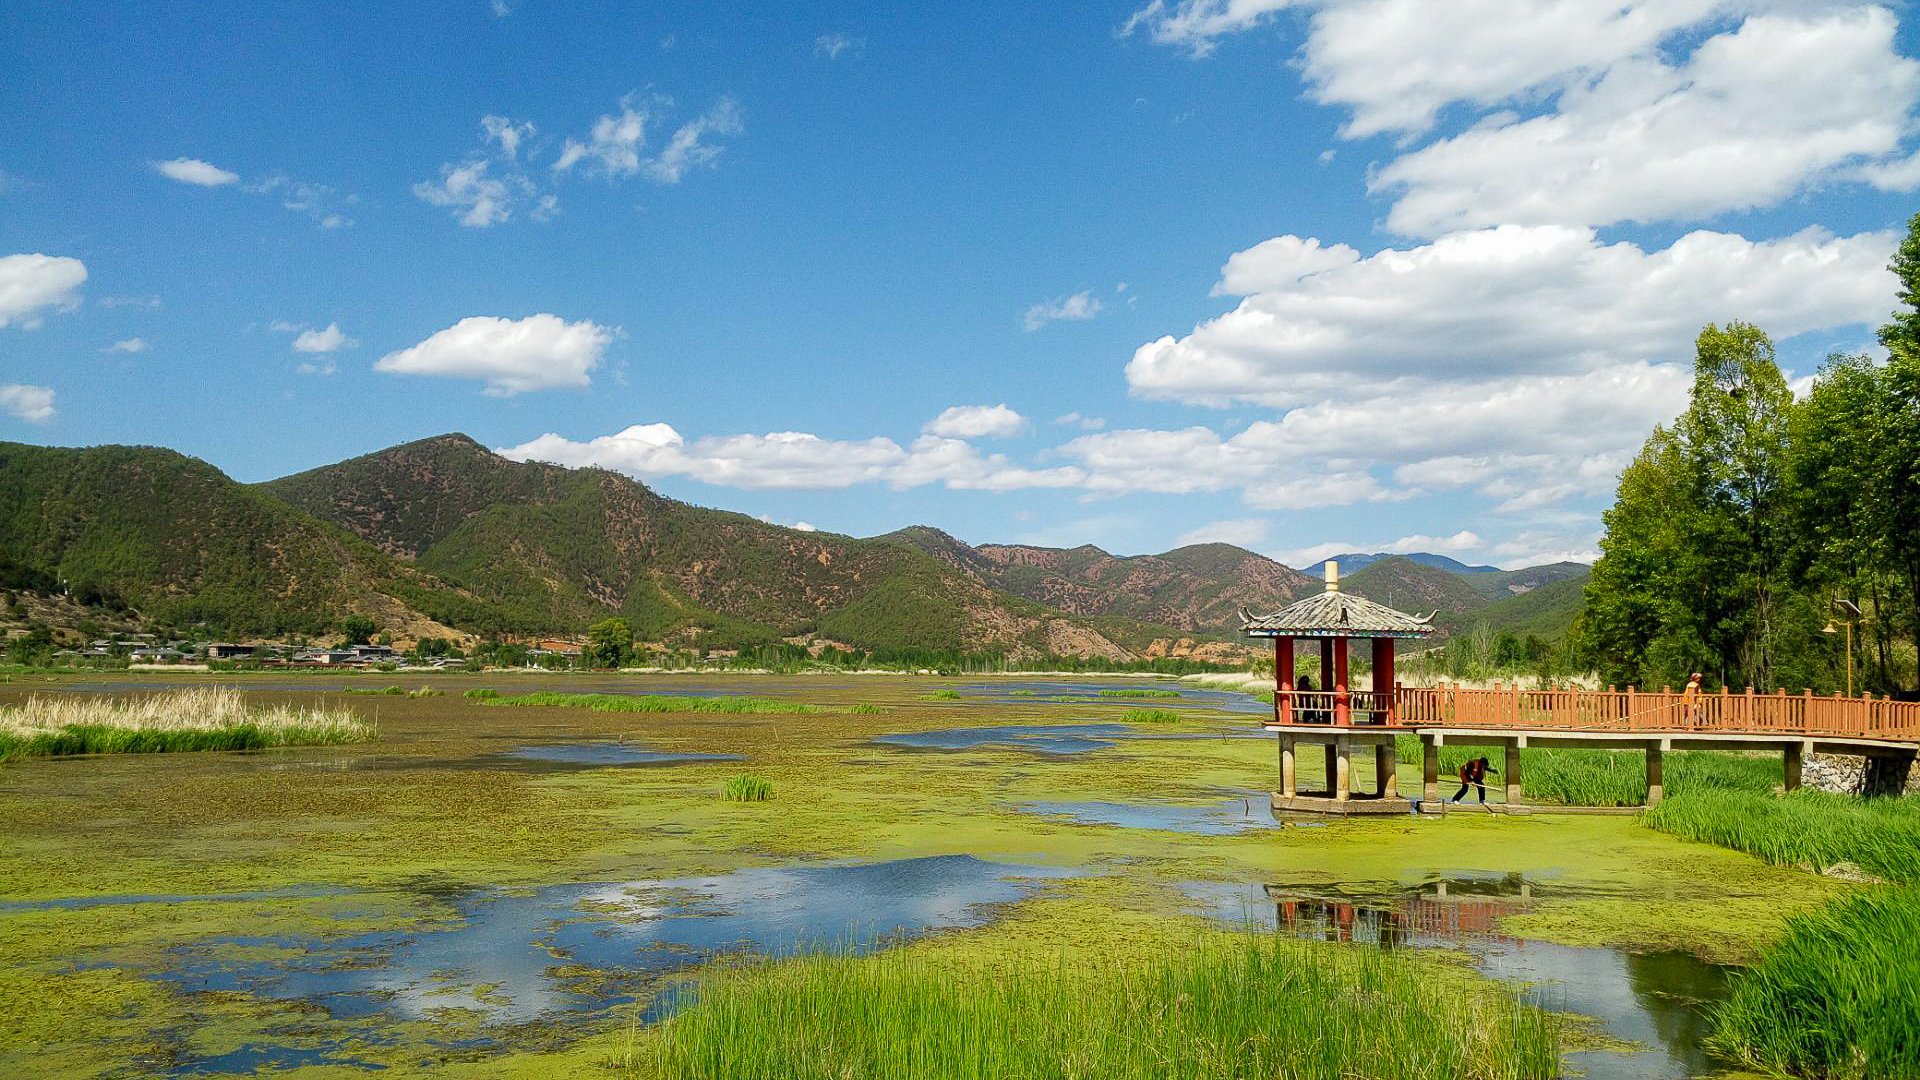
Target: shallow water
(1225,818)
(1044,692)
(612,754)
(1035,738)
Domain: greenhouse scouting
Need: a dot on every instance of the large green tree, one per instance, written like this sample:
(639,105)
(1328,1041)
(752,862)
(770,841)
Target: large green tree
(609,643)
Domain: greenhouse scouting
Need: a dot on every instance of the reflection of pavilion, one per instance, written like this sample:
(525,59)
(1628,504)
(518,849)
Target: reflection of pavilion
(1328,716)
(1449,911)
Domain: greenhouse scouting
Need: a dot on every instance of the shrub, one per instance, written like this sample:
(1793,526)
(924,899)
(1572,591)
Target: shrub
(749,787)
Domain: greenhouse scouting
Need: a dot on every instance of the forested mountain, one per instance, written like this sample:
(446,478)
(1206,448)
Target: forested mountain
(1196,589)
(1417,588)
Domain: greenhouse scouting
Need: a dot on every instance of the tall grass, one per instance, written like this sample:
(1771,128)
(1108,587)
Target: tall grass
(1809,829)
(748,787)
(945,693)
(481,693)
(1233,1006)
(865,710)
(196,718)
(1836,998)
(383,691)
(657,703)
(1150,716)
(1612,777)
(1140,692)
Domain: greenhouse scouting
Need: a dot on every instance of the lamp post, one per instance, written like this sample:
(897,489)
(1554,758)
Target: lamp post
(1853,609)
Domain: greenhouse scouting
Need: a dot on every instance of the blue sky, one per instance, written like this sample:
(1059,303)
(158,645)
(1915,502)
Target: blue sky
(1313,276)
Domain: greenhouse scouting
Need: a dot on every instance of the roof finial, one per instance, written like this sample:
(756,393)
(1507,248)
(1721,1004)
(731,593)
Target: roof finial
(1333,576)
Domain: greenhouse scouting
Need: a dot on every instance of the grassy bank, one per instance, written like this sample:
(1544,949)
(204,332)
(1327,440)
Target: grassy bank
(1808,829)
(199,718)
(663,703)
(1836,998)
(1227,1006)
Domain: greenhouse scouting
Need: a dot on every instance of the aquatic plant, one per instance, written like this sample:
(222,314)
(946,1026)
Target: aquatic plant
(945,693)
(1834,999)
(1150,716)
(865,710)
(1227,1005)
(1809,829)
(748,787)
(384,691)
(481,693)
(1140,692)
(656,703)
(423,691)
(196,718)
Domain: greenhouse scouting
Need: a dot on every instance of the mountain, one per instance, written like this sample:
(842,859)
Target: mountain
(183,543)
(1499,584)
(1417,588)
(1197,589)
(1353,562)
(552,548)
(1546,611)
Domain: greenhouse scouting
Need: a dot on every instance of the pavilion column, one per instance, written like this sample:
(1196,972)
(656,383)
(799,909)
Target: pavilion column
(1343,768)
(1342,701)
(1289,782)
(1283,679)
(1386,763)
(1383,680)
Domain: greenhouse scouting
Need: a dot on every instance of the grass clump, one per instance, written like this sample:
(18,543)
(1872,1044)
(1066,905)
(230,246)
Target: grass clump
(945,693)
(1140,692)
(1232,1006)
(1835,999)
(656,703)
(1150,716)
(197,718)
(481,693)
(424,691)
(748,787)
(384,691)
(865,710)
(1808,829)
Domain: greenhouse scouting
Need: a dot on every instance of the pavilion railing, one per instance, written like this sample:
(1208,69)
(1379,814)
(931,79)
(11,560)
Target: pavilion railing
(1323,706)
(1804,713)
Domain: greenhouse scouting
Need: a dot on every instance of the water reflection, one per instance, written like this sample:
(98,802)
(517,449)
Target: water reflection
(1236,815)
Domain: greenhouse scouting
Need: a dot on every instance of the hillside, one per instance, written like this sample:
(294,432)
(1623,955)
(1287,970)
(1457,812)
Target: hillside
(1499,584)
(1196,589)
(1546,612)
(182,543)
(1417,588)
(552,548)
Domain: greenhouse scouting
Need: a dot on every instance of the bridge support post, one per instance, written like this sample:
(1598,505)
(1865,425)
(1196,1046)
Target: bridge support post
(1386,761)
(1333,768)
(1515,793)
(1343,768)
(1656,784)
(1430,768)
(1795,758)
(1289,784)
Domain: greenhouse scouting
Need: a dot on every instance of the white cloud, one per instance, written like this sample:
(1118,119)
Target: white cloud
(1196,25)
(802,526)
(195,171)
(507,133)
(323,341)
(480,199)
(1240,532)
(1087,423)
(976,421)
(1506,302)
(1464,540)
(616,146)
(514,356)
(686,150)
(317,367)
(832,45)
(325,206)
(31,285)
(33,404)
(500,8)
(1080,305)
(130,345)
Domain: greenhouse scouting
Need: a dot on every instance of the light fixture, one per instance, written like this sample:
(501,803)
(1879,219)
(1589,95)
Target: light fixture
(1829,628)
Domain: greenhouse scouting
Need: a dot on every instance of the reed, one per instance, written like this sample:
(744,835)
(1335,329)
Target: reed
(657,703)
(1835,998)
(1226,1006)
(945,693)
(1808,829)
(1150,716)
(748,787)
(865,710)
(481,693)
(384,691)
(193,719)
(1140,692)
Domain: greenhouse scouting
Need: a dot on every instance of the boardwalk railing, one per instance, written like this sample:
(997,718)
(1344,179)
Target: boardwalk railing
(1633,710)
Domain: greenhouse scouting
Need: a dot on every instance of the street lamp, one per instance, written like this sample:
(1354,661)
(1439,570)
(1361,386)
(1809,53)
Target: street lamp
(1853,609)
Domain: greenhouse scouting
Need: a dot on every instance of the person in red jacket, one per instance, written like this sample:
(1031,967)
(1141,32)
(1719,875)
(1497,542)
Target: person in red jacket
(1474,774)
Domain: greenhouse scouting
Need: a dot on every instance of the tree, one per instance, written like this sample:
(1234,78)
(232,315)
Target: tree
(359,629)
(1899,465)
(609,643)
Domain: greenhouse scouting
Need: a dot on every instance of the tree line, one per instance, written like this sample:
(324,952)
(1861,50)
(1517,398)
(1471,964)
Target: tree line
(1752,531)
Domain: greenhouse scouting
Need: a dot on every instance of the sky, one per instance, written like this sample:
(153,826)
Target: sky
(1306,277)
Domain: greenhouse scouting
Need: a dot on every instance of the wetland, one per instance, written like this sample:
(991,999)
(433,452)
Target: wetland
(543,889)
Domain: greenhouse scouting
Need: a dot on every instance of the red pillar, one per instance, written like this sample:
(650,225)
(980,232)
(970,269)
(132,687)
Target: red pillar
(1342,702)
(1283,679)
(1383,678)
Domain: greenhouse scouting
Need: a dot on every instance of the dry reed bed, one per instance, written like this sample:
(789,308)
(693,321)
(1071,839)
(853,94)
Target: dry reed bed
(196,718)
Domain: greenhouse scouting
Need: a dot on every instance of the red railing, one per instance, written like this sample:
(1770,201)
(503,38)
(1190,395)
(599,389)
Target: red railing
(1633,710)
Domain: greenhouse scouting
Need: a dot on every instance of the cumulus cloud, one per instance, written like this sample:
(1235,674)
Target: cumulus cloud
(478,197)
(323,341)
(130,345)
(1080,305)
(32,285)
(513,356)
(197,172)
(617,144)
(1074,419)
(1240,532)
(33,404)
(1504,302)
(976,421)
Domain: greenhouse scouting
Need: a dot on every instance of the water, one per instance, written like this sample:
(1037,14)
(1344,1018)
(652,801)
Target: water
(612,754)
(511,957)
(1034,738)
(1236,815)
(1029,692)
(1656,1001)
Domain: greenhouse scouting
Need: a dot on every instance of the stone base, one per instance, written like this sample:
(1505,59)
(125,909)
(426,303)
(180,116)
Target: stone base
(1322,802)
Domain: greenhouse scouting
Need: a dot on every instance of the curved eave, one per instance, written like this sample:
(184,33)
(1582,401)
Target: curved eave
(1326,632)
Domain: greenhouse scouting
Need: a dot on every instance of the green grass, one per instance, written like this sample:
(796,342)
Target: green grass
(1809,829)
(1611,777)
(748,787)
(482,693)
(865,710)
(1140,692)
(1836,998)
(384,691)
(658,703)
(1150,716)
(200,718)
(1228,1006)
(945,693)
(424,691)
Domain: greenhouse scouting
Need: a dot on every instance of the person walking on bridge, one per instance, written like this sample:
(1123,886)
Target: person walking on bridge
(1690,702)
(1474,774)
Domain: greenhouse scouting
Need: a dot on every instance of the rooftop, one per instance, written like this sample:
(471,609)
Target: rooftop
(1333,613)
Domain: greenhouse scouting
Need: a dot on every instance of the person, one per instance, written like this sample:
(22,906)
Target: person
(1304,685)
(1690,701)
(1474,774)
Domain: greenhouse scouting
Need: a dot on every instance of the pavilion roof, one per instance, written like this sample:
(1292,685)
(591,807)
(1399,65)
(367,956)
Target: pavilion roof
(1336,614)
